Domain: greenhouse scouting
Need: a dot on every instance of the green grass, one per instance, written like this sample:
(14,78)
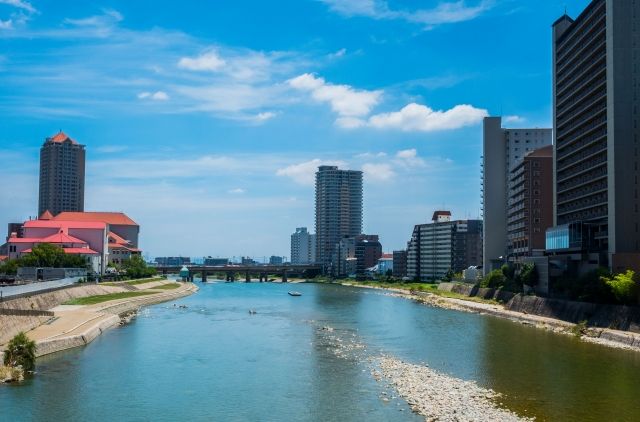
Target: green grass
(145,281)
(92,300)
(169,286)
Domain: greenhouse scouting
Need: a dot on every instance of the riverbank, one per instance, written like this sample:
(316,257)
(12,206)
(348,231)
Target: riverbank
(77,325)
(603,336)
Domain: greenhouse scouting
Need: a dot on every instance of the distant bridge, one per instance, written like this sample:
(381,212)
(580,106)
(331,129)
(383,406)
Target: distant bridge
(232,271)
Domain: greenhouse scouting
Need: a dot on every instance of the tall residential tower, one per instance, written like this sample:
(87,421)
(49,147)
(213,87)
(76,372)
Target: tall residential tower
(504,149)
(303,246)
(596,85)
(338,209)
(61,175)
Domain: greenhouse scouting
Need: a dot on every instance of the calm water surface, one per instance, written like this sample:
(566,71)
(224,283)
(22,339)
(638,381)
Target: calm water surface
(215,361)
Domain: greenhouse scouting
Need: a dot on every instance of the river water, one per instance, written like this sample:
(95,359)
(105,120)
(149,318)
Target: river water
(214,361)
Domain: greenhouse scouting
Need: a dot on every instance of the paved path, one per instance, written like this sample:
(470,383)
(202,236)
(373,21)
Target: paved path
(8,291)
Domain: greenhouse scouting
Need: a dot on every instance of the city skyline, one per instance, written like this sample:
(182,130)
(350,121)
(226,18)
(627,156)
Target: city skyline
(167,142)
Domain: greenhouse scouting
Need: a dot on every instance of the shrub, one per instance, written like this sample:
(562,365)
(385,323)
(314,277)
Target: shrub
(529,275)
(21,351)
(494,280)
(624,287)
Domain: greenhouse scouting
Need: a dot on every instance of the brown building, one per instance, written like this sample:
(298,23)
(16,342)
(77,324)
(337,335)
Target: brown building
(530,210)
(62,165)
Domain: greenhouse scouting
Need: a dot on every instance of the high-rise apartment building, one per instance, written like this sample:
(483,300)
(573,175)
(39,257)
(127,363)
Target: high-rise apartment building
(62,162)
(596,85)
(443,245)
(303,246)
(400,263)
(504,149)
(530,203)
(338,209)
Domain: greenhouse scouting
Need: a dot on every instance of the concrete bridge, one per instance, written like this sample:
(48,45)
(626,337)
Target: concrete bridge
(234,272)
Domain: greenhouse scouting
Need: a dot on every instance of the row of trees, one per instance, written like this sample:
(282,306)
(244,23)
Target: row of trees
(599,286)
(512,278)
(52,256)
(44,255)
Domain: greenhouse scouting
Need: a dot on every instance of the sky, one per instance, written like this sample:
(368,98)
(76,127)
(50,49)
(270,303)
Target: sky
(205,121)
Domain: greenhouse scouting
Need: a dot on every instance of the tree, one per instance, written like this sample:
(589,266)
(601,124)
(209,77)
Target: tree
(624,287)
(494,280)
(135,267)
(529,274)
(48,255)
(21,351)
(10,267)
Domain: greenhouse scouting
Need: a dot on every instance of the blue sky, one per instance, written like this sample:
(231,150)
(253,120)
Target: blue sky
(205,121)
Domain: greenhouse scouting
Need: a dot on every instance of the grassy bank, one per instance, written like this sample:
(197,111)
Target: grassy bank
(169,286)
(92,300)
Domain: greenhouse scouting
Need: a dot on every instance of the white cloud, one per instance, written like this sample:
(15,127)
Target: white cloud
(409,158)
(237,191)
(108,19)
(344,100)
(20,4)
(156,96)
(209,61)
(8,24)
(514,119)
(445,12)
(417,117)
(340,53)
(304,173)
(380,172)
(264,116)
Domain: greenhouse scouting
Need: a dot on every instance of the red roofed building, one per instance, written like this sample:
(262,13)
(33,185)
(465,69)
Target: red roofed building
(84,239)
(119,223)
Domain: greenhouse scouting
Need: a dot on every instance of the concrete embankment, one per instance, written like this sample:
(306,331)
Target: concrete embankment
(57,327)
(10,325)
(80,325)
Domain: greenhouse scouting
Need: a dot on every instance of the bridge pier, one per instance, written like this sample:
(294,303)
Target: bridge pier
(247,277)
(204,276)
(284,276)
(229,276)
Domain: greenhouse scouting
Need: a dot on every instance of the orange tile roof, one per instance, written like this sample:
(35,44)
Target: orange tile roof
(46,216)
(117,239)
(116,218)
(61,137)
(71,224)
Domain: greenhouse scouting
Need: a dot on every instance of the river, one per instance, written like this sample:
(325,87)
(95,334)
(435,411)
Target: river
(213,360)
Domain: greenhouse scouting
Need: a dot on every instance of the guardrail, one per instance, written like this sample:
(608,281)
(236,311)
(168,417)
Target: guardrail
(25,312)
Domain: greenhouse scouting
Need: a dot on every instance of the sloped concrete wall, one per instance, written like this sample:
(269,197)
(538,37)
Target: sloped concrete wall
(626,318)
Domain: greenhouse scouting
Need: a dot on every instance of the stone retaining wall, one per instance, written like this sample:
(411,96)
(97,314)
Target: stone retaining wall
(475,291)
(618,317)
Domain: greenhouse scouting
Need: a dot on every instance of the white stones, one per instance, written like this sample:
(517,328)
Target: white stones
(440,397)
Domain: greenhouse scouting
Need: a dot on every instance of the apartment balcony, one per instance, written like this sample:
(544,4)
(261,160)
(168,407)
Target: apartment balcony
(599,187)
(584,126)
(586,179)
(586,156)
(597,107)
(566,175)
(581,63)
(597,200)
(571,146)
(586,31)
(592,65)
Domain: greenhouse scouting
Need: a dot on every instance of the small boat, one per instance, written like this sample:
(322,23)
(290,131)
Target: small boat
(295,294)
